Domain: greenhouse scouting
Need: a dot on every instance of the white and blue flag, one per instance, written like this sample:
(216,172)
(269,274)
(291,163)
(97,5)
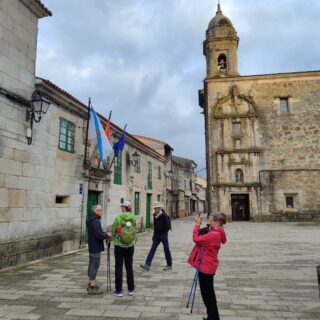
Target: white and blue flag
(97,132)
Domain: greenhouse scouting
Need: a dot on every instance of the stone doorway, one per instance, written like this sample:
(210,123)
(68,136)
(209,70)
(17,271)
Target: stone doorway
(240,207)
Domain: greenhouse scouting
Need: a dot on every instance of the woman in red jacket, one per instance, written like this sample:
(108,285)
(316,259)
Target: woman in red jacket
(211,243)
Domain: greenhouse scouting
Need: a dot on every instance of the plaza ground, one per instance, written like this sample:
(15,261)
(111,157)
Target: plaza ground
(267,271)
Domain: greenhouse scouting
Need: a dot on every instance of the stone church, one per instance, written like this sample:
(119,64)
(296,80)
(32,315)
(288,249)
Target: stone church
(262,135)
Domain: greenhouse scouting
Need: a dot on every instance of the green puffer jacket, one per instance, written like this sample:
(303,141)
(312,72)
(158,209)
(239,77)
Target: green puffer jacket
(124,216)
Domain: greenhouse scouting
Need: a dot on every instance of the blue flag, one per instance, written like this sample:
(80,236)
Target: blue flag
(119,145)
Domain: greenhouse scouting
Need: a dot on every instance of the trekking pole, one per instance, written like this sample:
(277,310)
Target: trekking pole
(108,266)
(195,282)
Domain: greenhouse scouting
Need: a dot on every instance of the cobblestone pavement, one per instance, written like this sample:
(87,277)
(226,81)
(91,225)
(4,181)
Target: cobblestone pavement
(267,271)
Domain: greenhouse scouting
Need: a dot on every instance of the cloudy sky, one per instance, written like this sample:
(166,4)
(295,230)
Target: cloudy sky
(143,59)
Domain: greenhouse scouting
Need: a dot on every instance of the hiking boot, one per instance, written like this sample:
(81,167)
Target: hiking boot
(131,293)
(94,290)
(118,293)
(145,267)
(95,286)
(166,268)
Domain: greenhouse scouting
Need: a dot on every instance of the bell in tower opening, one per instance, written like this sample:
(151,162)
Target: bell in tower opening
(221,47)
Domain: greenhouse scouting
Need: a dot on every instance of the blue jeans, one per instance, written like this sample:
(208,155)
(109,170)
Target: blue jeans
(94,264)
(156,239)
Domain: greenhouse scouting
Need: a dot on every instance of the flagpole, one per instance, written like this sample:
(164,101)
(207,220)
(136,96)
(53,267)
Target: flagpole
(87,131)
(114,154)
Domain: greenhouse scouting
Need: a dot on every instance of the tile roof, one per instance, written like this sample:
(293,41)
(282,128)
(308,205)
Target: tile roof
(43,8)
(63,92)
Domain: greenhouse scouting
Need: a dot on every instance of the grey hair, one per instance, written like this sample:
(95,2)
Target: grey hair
(96,206)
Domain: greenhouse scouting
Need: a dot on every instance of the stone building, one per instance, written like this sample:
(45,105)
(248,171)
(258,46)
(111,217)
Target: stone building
(184,178)
(182,196)
(165,150)
(23,174)
(49,179)
(200,190)
(262,135)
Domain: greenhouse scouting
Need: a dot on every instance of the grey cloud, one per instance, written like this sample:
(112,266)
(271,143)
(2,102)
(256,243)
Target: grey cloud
(143,59)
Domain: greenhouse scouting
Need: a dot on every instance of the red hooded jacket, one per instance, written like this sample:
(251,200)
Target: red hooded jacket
(211,242)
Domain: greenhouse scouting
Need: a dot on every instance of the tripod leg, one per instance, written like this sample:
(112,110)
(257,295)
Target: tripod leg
(192,288)
(108,270)
(195,291)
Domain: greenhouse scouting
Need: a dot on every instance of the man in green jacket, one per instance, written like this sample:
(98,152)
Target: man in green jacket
(124,239)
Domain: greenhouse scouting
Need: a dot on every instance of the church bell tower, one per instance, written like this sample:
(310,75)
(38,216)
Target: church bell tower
(221,47)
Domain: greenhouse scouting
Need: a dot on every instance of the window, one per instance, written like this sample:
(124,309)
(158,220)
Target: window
(149,175)
(117,169)
(222,62)
(239,176)
(137,203)
(62,199)
(159,172)
(284,105)
(66,135)
(137,166)
(236,128)
(289,202)
(158,197)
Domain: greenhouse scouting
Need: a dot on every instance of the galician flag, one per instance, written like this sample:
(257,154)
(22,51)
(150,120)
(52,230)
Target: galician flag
(96,131)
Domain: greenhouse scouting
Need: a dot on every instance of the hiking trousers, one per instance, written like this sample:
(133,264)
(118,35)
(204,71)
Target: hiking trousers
(208,295)
(124,254)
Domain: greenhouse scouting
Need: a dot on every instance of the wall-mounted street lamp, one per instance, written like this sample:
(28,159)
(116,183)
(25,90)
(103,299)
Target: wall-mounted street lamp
(39,106)
(134,158)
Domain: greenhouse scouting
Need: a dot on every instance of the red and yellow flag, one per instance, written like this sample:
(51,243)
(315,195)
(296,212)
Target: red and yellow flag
(108,130)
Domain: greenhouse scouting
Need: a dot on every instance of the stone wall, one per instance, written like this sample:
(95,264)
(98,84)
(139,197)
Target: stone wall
(18,45)
(32,223)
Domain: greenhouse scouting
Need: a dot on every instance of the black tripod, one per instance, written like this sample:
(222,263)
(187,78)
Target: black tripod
(108,265)
(193,290)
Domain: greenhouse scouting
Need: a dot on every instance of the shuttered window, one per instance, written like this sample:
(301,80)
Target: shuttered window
(117,175)
(66,135)
(149,175)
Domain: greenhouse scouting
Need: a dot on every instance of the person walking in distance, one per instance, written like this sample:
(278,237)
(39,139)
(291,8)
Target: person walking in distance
(161,227)
(96,237)
(209,243)
(124,239)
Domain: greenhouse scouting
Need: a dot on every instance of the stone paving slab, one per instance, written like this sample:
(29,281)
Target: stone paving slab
(267,271)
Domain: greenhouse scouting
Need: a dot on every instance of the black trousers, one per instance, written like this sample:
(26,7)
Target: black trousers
(124,255)
(208,295)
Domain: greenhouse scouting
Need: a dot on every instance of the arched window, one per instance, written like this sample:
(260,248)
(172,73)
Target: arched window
(239,176)
(222,62)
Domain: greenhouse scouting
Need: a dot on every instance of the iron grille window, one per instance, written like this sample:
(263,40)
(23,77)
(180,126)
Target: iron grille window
(159,172)
(66,135)
(289,202)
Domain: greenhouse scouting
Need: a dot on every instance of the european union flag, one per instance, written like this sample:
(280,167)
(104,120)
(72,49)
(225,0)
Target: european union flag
(118,146)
